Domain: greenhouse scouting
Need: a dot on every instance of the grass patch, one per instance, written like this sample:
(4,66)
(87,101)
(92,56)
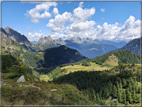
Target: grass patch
(65,95)
(92,67)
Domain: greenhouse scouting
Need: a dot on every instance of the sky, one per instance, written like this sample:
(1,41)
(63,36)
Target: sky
(115,21)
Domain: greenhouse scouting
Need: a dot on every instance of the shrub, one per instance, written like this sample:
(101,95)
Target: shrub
(86,63)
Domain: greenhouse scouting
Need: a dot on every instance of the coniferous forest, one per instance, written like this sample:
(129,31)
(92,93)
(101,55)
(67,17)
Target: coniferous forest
(101,85)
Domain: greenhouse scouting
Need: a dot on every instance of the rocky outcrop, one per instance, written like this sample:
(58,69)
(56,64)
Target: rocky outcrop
(21,79)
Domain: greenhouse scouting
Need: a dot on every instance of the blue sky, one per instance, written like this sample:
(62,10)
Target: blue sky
(85,19)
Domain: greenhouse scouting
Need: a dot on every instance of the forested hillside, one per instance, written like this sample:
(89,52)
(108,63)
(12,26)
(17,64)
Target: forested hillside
(124,56)
(121,87)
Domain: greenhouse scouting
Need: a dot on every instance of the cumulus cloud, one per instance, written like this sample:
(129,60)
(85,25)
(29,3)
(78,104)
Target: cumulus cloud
(35,13)
(81,4)
(35,36)
(114,32)
(102,10)
(128,31)
(78,20)
(81,29)
(81,26)
(57,24)
(107,31)
(55,11)
(59,35)
(81,14)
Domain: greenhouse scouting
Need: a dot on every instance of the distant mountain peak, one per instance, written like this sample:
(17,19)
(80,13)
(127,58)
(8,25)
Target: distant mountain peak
(8,27)
(16,36)
(76,39)
(60,41)
(49,37)
(10,30)
(46,42)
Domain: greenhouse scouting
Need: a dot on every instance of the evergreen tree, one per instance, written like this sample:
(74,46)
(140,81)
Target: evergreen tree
(114,91)
(120,96)
(129,98)
(124,98)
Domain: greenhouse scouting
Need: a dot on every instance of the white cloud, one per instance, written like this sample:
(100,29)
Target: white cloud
(83,14)
(57,24)
(107,31)
(81,26)
(128,31)
(59,35)
(34,14)
(81,4)
(102,10)
(114,32)
(78,20)
(81,29)
(35,36)
(55,11)
(45,15)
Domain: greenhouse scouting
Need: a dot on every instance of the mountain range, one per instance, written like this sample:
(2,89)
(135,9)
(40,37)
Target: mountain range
(84,47)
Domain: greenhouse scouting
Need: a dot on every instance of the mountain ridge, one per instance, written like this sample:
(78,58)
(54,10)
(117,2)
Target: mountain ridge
(134,46)
(14,35)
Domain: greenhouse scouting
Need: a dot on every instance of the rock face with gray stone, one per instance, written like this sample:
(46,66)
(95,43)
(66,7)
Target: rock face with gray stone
(21,79)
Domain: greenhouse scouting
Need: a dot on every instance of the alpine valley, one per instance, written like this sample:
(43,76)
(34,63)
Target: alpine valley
(74,71)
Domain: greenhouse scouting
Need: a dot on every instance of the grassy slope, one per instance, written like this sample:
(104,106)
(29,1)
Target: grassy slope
(19,94)
(61,71)
(68,68)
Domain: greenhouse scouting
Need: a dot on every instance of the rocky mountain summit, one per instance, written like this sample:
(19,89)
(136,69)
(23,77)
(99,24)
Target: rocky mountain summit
(15,36)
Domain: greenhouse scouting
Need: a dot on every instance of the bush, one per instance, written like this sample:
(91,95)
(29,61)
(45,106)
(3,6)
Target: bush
(19,69)
(86,63)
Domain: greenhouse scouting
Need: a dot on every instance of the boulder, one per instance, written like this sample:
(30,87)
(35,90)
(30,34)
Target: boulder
(53,90)
(21,79)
